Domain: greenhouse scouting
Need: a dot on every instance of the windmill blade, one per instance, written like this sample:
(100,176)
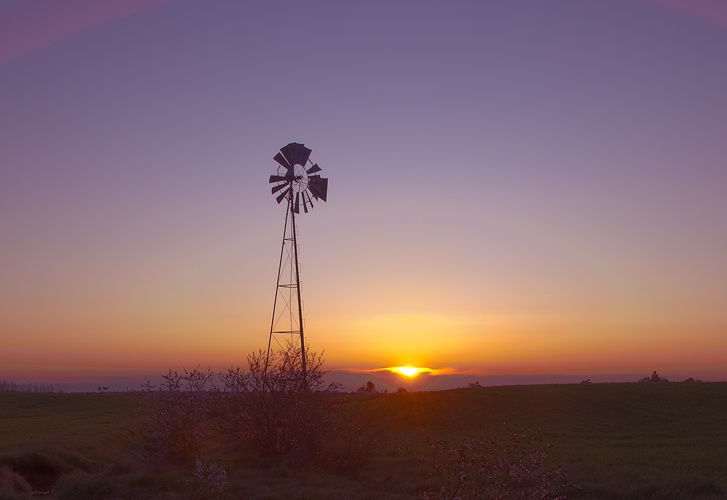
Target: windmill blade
(277,178)
(306,201)
(296,206)
(318,187)
(282,161)
(315,168)
(277,188)
(282,196)
(307,196)
(296,154)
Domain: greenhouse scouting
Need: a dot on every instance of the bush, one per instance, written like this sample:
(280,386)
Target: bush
(177,414)
(354,441)
(208,479)
(272,408)
(485,468)
(275,409)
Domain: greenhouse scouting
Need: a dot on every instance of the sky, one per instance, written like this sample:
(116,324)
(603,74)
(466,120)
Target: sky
(518,191)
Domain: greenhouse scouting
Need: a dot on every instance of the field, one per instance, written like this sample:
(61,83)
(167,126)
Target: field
(617,441)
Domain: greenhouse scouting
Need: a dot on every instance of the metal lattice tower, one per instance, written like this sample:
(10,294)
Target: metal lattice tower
(297,183)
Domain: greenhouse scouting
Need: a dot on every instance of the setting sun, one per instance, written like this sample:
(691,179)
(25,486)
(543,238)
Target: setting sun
(409,371)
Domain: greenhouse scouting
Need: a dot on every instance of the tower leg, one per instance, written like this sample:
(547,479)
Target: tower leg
(287,317)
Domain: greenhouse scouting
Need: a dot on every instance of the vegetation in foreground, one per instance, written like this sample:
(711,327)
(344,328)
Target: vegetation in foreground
(616,441)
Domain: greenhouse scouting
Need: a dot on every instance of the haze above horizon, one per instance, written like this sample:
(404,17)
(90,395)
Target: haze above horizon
(516,188)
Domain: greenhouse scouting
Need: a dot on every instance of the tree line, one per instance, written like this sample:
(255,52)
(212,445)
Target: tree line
(8,386)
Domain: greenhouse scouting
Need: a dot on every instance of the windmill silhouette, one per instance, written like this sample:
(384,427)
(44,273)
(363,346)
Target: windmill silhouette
(297,183)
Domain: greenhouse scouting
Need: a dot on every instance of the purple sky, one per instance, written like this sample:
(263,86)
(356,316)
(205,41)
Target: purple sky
(515,187)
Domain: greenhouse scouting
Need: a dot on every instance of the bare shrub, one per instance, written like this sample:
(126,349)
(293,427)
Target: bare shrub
(176,414)
(275,410)
(485,468)
(355,439)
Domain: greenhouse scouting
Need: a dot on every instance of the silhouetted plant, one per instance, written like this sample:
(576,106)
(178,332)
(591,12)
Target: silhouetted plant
(369,388)
(654,377)
(275,410)
(176,414)
(485,468)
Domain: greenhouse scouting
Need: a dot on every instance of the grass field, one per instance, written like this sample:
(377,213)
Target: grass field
(617,441)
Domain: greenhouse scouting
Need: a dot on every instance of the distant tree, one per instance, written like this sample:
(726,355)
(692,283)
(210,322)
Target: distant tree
(8,386)
(369,387)
(401,390)
(474,385)
(654,377)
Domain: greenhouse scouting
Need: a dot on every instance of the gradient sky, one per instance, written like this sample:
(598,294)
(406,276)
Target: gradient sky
(520,187)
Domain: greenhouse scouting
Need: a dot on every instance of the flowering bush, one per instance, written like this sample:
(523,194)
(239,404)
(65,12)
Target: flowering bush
(208,479)
(485,468)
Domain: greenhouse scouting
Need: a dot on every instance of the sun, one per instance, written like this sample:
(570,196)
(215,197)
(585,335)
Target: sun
(408,370)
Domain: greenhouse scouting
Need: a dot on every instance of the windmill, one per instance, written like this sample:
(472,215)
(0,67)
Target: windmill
(298,182)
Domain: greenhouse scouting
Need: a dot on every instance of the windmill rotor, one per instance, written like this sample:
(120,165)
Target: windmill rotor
(295,181)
